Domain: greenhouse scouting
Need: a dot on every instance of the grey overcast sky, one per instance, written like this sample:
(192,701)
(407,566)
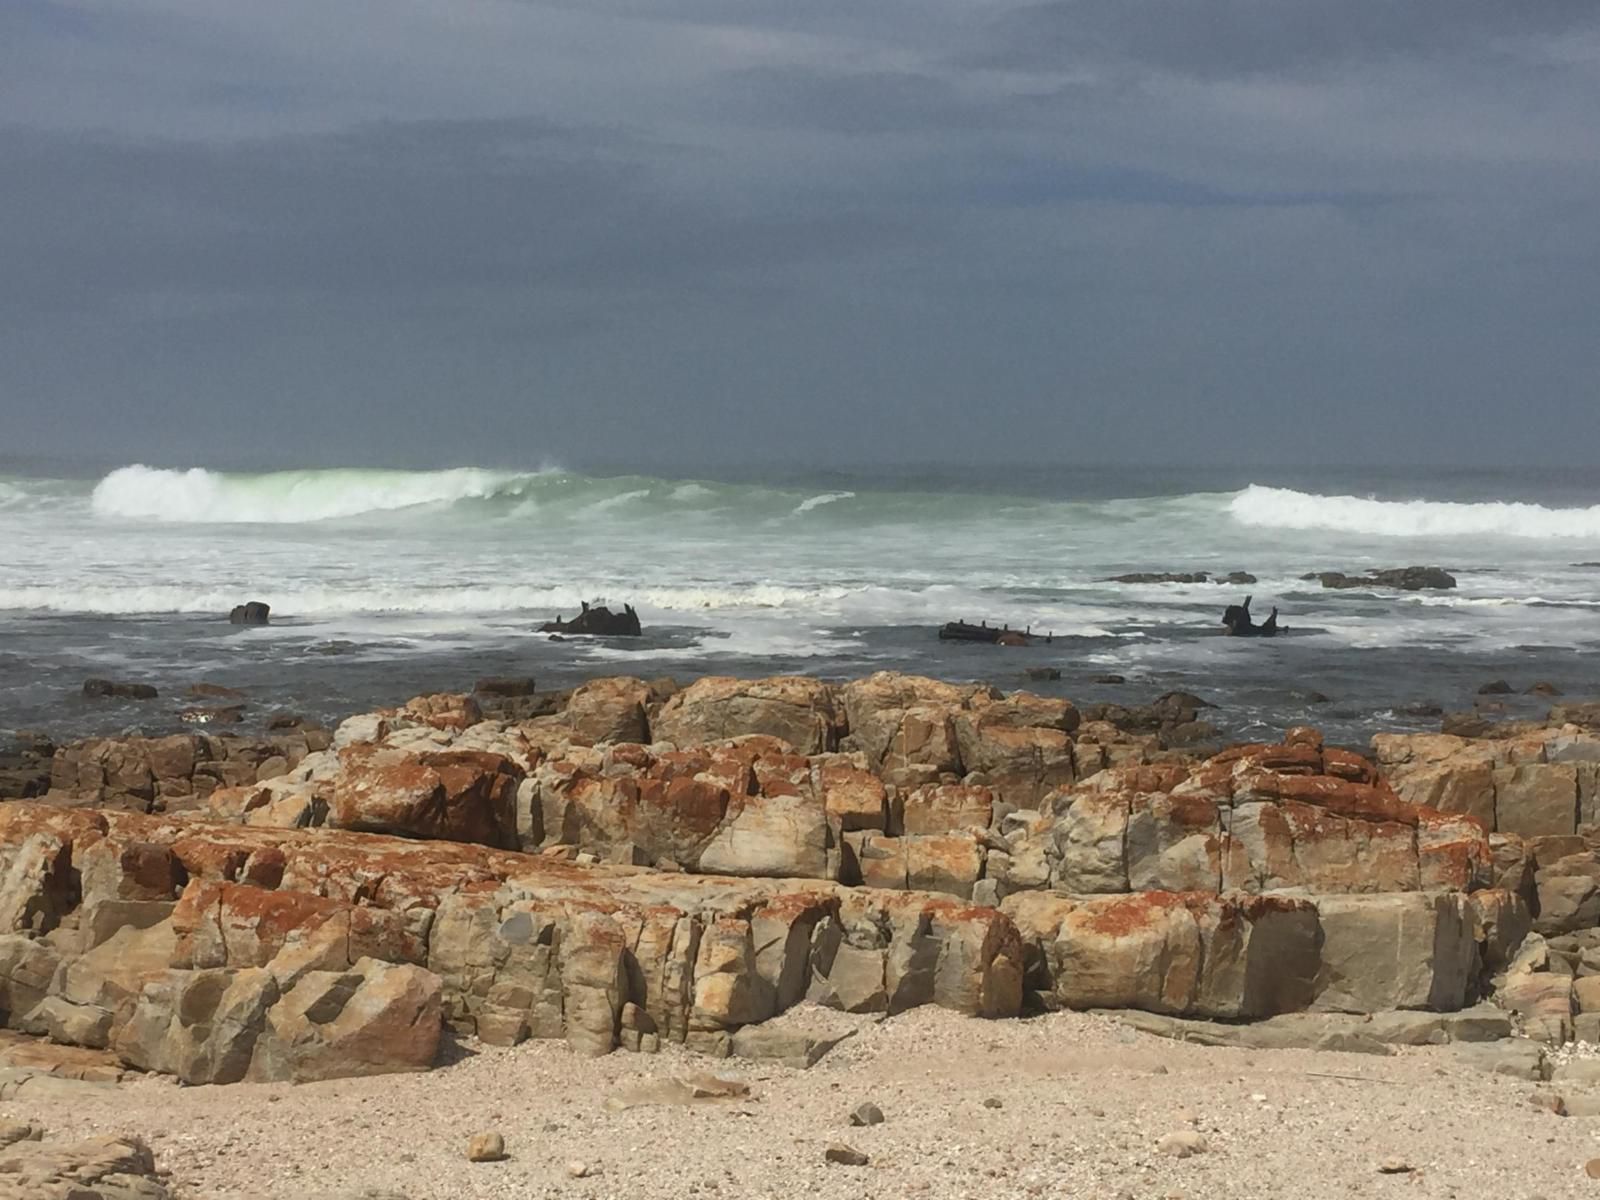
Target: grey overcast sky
(688,231)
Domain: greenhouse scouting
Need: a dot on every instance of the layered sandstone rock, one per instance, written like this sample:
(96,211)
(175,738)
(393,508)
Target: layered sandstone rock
(102,1168)
(694,863)
(793,708)
(222,952)
(917,731)
(1545,783)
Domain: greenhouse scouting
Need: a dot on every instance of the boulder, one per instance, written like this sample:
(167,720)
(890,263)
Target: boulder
(598,621)
(609,710)
(904,725)
(796,709)
(1194,954)
(253,612)
(1536,799)
(1020,746)
(374,1019)
(1402,950)
(458,795)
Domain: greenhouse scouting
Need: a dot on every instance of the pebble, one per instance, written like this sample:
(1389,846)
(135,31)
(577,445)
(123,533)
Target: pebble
(579,1169)
(1592,1168)
(486,1147)
(1549,1101)
(844,1156)
(1182,1143)
(993,1102)
(1394,1166)
(867,1114)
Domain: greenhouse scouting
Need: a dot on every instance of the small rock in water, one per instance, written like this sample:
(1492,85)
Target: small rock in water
(1394,1166)
(1109,679)
(993,1102)
(845,1156)
(226,714)
(1044,673)
(867,1114)
(101,689)
(1183,1143)
(486,1147)
(1497,687)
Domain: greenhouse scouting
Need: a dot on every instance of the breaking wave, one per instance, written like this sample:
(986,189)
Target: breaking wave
(1283,508)
(204,497)
(284,497)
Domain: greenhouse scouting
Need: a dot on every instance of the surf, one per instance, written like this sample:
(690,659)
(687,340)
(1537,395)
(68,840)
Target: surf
(1283,508)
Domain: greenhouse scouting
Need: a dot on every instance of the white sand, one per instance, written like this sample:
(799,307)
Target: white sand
(1083,1104)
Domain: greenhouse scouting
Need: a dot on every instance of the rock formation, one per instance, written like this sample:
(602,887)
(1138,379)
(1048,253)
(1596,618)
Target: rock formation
(599,621)
(252,613)
(642,868)
(1406,579)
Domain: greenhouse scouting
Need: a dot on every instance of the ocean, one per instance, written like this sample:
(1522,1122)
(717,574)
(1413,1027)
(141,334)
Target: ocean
(386,583)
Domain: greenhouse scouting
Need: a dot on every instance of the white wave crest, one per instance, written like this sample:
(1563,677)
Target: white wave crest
(1283,508)
(618,501)
(285,497)
(806,506)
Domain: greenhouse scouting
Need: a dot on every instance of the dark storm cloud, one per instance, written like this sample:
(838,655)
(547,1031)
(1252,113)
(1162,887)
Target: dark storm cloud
(668,231)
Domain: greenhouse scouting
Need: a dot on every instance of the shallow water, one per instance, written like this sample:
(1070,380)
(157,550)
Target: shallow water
(388,583)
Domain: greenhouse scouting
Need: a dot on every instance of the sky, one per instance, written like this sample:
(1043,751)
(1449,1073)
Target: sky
(667,232)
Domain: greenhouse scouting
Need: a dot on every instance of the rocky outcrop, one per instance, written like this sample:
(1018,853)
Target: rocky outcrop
(1536,784)
(650,866)
(916,731)
(252,612)
(793,708)
(219,952)
(598,621)
(455,795)
(1188,954)
(25,760)
(102,1168)
(172,773)
(1407,579)
(1232,577)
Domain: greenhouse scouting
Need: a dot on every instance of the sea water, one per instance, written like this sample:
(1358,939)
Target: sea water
(384,583)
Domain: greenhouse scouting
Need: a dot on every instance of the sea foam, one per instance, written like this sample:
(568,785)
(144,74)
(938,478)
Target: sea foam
(1283,508)
(284,497)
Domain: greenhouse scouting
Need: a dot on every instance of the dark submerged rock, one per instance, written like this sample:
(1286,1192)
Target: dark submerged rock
(252,613)
(1405,579)
(505,685)
(111,689)
(1237,619)
(599,621)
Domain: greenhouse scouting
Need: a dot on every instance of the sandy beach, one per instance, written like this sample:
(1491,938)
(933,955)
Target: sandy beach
(1068,1105)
